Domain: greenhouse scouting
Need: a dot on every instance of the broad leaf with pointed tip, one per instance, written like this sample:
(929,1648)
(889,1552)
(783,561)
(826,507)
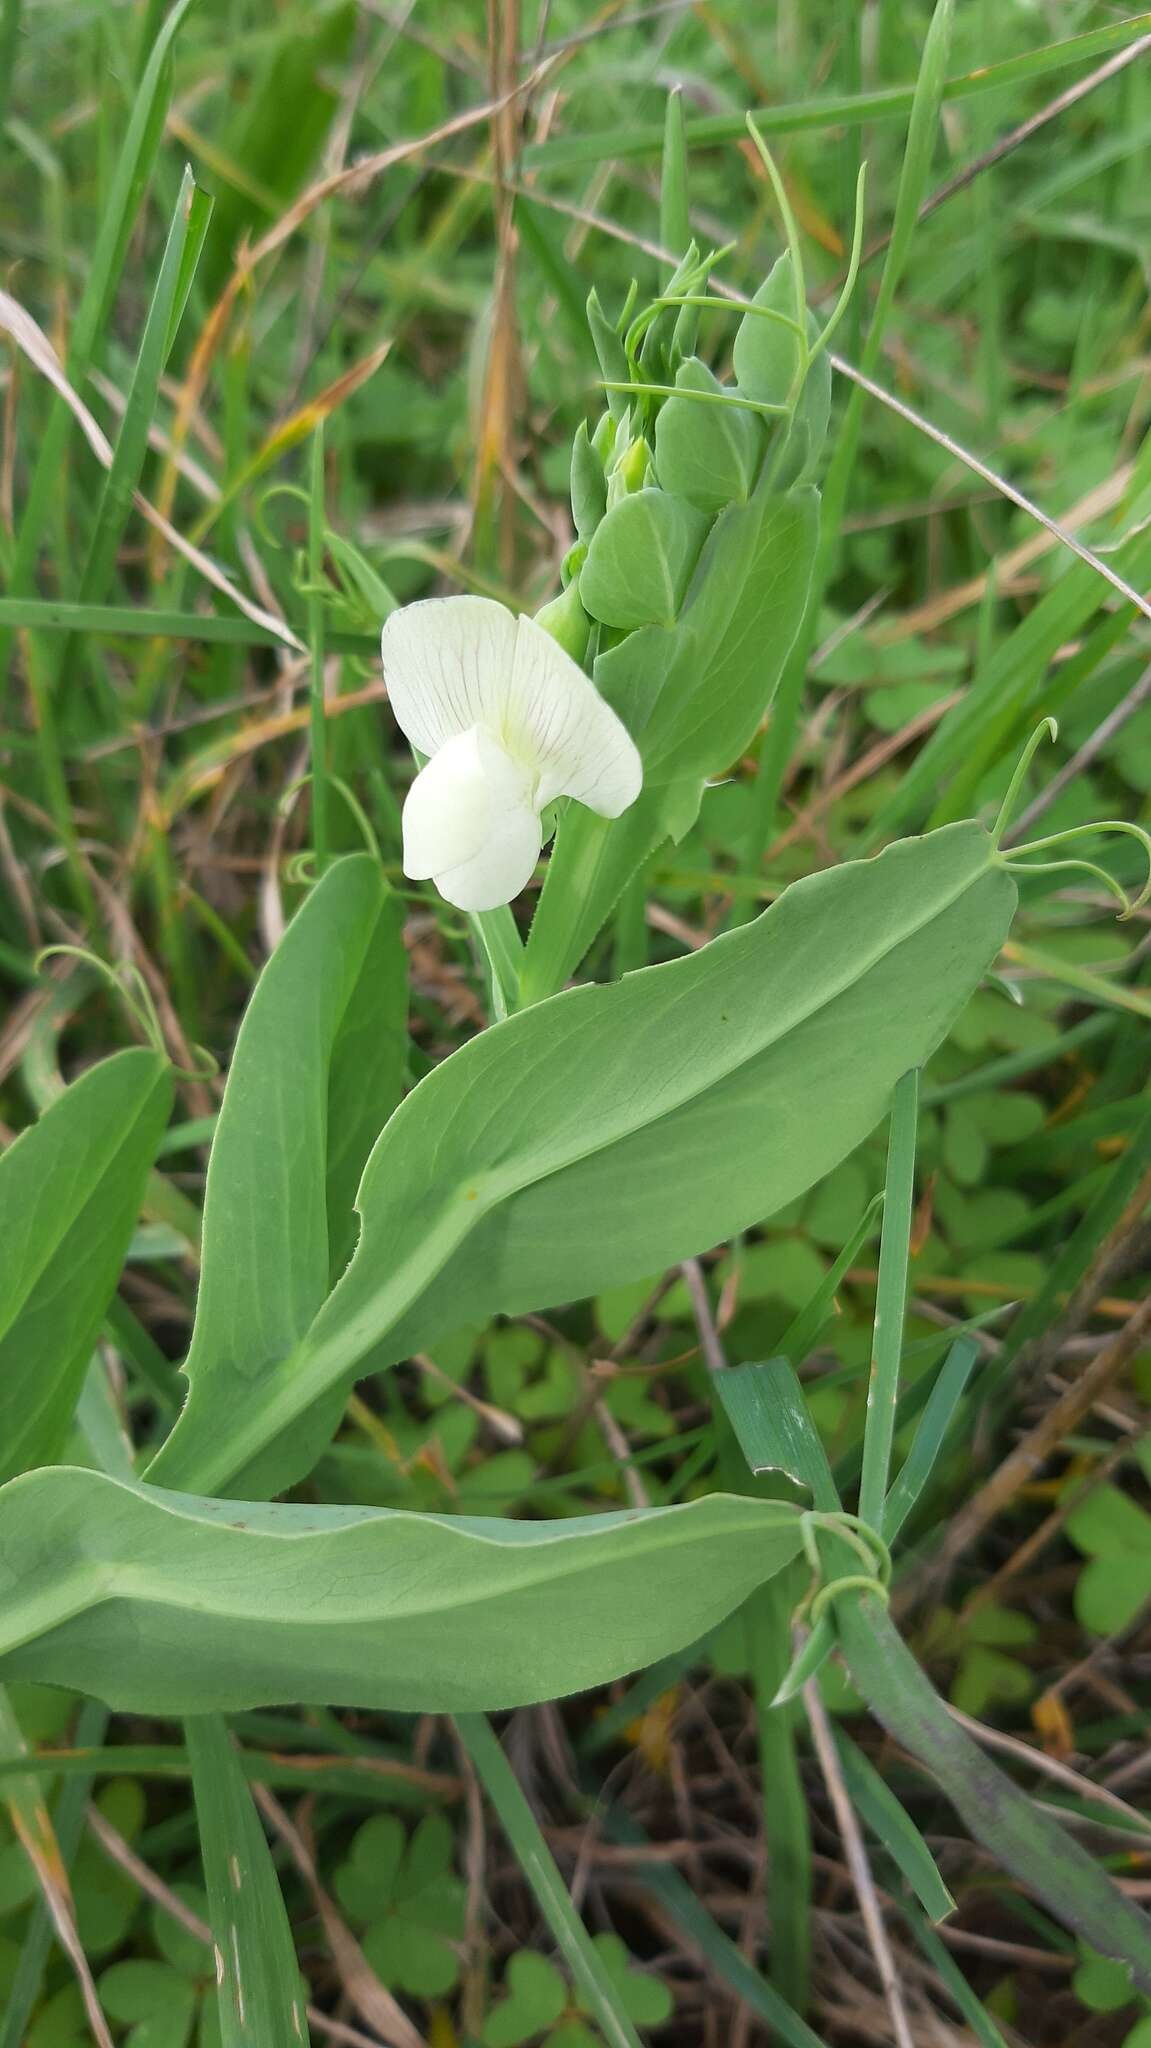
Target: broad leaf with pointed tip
(316,1071)
(602,1135)
(162,1603)
(70,1193)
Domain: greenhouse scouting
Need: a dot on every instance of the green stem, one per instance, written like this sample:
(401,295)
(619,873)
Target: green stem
(788,1832)
(890,1301)
(525,1837)
(499,936)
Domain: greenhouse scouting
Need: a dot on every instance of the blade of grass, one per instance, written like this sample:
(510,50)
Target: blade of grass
(189,220)
(133,170)
(972,2008)
(723,1960)
(1068,1267)
(318,724)
(890,1301)
(1047,1860)
(946,1394)
(887,103)
(1098,988)
(9,45)
(768,1617)
(36,1835)
(257,1977)
(885,1817)
(539,1868)
(63,615)
(68,1827)
(674,222)
(803,1332)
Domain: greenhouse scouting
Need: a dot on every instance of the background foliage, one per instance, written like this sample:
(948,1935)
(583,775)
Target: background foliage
(388,258)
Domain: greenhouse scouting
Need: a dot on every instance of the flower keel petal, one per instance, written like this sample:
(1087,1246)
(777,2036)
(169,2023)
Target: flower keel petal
(469,822)
(501,869)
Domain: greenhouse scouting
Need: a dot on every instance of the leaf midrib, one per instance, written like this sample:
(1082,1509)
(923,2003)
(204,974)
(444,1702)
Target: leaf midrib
(518,1182)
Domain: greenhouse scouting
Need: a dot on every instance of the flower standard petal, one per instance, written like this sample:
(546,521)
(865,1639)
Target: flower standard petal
(448,664)
(557,718)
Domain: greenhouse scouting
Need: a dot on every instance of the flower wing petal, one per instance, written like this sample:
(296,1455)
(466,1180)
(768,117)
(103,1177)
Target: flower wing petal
(448,665)
(557,719)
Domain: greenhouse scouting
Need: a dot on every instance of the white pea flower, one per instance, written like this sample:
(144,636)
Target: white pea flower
(509,722)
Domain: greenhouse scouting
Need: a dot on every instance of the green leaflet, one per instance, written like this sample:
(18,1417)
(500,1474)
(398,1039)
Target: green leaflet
(70,1193)
(765,354)
(708,454)
(162,1603)
(692,694)
(316,1071)
(640,560)
(616,1129)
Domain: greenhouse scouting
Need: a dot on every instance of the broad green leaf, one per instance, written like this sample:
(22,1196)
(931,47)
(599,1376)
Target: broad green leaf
(163,1603)
(70,1193)
(258,1990)
(640,560)
(1102,1985)
(314,1076)
(1108,1524)
(614,1130)
(366,1073)
(708,454)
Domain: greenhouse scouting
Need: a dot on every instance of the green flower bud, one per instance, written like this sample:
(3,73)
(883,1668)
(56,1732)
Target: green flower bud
(567,622)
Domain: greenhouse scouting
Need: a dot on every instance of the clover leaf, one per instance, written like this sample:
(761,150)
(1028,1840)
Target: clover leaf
(403,1893)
